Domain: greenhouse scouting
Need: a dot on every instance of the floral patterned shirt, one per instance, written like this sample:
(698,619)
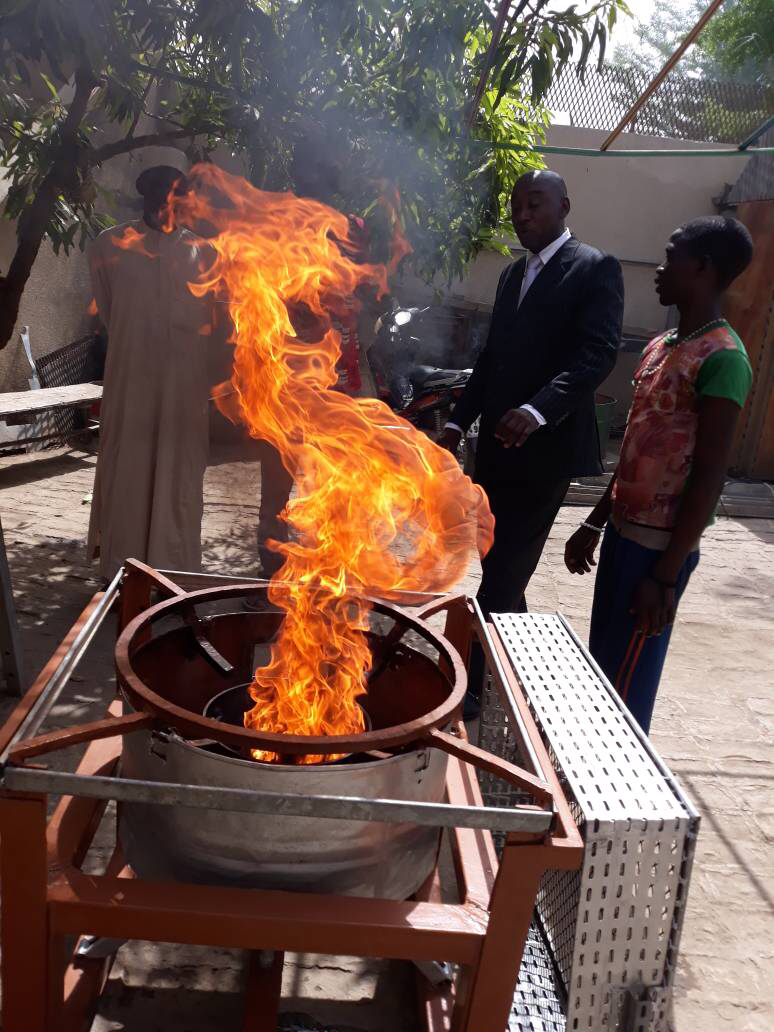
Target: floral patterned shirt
(658,446)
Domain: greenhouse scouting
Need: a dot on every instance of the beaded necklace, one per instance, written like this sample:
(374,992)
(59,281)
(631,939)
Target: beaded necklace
(673,340)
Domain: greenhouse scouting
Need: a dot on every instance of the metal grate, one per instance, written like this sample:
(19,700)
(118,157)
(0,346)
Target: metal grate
(79,362)
(682,108)
(611,930)
(538,1005)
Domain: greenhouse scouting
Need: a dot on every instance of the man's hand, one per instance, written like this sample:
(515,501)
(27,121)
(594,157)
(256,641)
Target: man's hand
(515,427)
(654,606)
(579,551)
(450,439)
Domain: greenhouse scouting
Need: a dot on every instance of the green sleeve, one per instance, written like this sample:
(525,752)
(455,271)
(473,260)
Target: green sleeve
(725,374)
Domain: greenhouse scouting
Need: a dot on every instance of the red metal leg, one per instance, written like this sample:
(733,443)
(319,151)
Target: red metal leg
(488,1005)
(57,965)
(24,919)
(263,991)
(85,977)
(436,1002)
(84,981)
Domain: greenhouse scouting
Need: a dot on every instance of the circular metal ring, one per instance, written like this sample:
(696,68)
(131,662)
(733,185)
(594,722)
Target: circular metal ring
(195,725)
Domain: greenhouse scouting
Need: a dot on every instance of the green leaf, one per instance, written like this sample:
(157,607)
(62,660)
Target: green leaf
(375,90)
(23,72)
(52,89)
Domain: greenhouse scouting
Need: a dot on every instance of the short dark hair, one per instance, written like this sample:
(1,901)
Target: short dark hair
(160,180)
(725,241)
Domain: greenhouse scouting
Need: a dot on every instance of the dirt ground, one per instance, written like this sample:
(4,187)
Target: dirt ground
(714,725)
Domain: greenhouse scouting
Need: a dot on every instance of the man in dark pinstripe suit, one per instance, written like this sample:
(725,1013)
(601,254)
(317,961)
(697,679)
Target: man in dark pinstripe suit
(554,336)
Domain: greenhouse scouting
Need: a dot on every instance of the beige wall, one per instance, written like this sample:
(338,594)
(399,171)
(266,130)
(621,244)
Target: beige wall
(53,306)
(630,206)
(55,301)
(626,206)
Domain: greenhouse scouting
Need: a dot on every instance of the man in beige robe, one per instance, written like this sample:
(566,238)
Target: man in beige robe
(154,442)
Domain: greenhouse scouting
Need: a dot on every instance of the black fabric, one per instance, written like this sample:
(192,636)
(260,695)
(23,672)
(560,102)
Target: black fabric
(552,352)
(524,514)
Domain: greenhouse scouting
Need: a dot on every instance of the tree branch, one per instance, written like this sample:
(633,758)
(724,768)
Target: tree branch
(34,222)
(124,146)
(189,80)
(146,91)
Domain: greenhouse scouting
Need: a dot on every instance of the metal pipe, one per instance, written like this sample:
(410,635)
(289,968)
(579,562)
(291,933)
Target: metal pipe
(217,577)
(350,808)
(756,135)
(592,152)
(684,152)
(659,77)
(497,668)
(56,683)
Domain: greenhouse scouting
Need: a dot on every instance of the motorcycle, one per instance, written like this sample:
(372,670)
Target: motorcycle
(422,394)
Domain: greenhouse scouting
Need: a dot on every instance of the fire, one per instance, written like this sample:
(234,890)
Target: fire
(133,240)
(379,509)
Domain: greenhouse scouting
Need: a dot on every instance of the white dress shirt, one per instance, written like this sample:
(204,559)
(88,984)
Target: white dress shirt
(534,266)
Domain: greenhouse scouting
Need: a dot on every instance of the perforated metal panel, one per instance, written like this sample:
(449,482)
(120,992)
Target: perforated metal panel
(611,930)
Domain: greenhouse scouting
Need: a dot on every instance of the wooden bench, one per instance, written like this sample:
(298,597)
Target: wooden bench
(21,403)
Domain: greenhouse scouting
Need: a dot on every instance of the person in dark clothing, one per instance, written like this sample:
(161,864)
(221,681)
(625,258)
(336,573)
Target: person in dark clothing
(554,337)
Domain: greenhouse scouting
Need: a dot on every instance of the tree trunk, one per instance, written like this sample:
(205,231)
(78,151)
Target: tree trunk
(34,222)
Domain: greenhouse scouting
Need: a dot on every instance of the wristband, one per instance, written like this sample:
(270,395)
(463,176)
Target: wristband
(669,585)
(590,526)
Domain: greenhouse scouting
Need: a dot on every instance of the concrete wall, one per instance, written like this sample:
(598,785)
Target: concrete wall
(53,306)
(55,301)
(627,206)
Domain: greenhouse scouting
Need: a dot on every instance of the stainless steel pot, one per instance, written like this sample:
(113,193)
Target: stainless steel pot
(294,853)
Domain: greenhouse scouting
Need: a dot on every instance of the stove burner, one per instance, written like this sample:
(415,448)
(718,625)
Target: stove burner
(173,661)
(230,706)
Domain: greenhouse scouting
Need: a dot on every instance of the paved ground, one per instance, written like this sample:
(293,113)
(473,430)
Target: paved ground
(714,724)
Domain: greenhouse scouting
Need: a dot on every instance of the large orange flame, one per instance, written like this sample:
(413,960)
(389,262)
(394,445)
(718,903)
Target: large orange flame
(379,508)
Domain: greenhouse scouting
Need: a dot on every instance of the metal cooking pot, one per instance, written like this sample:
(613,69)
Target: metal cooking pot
(352,858)
(162,669)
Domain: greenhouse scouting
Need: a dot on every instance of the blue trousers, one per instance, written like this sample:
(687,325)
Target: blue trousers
(631,662)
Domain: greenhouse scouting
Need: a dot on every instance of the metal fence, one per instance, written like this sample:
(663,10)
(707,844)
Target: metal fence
(683,107)
(756,182)
(79,362)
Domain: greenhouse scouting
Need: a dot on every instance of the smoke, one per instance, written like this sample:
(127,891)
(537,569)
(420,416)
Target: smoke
(383,98)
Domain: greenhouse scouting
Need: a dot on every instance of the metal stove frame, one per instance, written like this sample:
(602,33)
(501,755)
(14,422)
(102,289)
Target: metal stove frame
(49,902)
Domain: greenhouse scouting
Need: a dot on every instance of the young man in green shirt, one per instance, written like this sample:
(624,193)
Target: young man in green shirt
(690,388)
